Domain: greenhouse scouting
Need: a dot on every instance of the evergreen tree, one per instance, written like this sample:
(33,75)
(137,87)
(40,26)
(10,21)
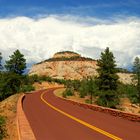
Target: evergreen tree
(17,63)
(107,79)
(9,84)
(91,88)
(0,62)
(83,88)
(136,70)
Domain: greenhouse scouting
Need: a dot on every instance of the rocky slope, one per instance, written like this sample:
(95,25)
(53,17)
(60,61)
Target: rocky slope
(69,65)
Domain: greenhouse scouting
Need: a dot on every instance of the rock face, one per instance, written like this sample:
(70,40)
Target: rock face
(69,65)
(126,78)
(65,69)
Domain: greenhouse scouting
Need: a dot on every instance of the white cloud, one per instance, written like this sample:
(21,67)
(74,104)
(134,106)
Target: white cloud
(40,39)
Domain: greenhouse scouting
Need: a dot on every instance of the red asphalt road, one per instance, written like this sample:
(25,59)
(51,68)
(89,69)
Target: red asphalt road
(48,124)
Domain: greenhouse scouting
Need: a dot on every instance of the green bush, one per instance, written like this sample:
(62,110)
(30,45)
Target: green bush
(64,95)
(108,99)
(87,87)
(68,84)
(69,92)
(45,78)
(83,89)
(75,84)
(3,132)
(82,92)
(9,84)
(27,88)
(129,91)
(124,90)
(33,78)
(88,101)
(59,81)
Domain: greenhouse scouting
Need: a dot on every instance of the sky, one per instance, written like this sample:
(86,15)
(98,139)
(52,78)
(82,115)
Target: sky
(40,28)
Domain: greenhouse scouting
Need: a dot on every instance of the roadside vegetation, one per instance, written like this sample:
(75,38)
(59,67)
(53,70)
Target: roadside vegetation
(3,132)
(106,90)
(12,78)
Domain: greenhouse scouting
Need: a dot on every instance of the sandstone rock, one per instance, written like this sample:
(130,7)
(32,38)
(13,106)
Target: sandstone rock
(66,69)
(69,65)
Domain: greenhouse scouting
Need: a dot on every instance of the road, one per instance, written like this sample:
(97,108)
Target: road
(54,119)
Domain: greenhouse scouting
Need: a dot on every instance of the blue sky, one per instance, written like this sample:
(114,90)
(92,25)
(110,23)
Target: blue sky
(84,26)
(98,8)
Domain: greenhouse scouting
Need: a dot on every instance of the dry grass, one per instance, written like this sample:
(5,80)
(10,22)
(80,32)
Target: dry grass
(46,85)
(8,110)
(76,97)
(127,106)
(58,92)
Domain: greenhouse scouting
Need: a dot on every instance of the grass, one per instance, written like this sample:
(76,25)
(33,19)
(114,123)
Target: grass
(59,92)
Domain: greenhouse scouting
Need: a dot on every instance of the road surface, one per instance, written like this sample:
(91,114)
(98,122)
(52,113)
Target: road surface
(54,119)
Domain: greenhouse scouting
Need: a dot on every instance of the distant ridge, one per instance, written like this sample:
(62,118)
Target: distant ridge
(67,56)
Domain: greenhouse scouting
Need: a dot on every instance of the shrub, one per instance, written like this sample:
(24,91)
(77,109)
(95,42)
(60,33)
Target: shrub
(45,78)
(64,95)
(82,92)
(59,81)
(88,101)
(68,92)
(88,87)
(83,89)
(9,84)
(108,99)
(129,91)
(75,84)
(27,88)
(33,78)
(68,84)
(3,132)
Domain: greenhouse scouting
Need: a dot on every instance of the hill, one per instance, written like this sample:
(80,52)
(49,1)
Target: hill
(71,65)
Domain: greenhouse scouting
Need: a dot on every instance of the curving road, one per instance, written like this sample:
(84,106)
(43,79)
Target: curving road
(54,119)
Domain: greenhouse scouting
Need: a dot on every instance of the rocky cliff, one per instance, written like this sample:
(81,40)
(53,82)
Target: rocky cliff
(69,65)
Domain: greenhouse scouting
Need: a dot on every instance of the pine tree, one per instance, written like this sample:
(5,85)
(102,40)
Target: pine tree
(0,62)
(17,63)
(107,79)
(136,70)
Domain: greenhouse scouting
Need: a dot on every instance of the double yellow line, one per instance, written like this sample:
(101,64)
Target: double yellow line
(80,121)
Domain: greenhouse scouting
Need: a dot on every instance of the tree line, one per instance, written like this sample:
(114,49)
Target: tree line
(12,79)
(106,88)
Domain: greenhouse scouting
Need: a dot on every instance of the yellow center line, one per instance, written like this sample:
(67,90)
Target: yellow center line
(80,121)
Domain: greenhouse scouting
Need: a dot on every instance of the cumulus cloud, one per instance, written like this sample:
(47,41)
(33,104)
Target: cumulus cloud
(39,39)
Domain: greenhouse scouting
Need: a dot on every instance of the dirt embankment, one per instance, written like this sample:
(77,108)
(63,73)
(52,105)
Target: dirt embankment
(8,110)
